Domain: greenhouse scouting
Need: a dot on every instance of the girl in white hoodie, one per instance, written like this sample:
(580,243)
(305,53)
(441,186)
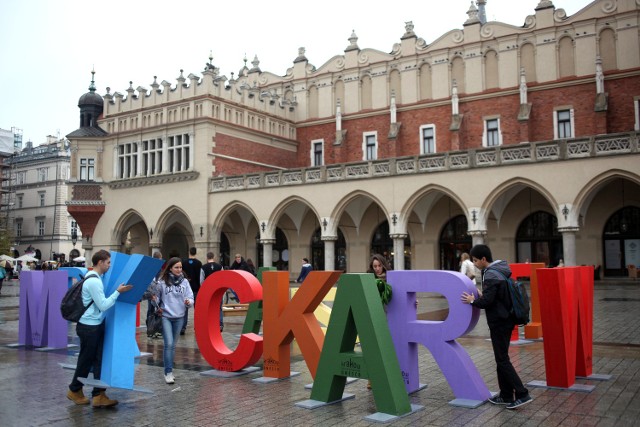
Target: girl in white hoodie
(174,296)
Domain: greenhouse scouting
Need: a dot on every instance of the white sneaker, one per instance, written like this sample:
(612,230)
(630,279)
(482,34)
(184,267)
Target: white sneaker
(168,378)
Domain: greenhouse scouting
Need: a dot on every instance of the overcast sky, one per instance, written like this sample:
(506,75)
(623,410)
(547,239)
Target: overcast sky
(48,48)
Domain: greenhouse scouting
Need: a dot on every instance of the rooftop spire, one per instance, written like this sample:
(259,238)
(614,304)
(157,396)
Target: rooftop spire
(92,86)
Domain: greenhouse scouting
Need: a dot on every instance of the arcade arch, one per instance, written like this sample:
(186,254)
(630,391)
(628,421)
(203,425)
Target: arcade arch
(131,234)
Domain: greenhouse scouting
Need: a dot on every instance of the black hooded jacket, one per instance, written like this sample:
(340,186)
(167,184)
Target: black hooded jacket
(495,299)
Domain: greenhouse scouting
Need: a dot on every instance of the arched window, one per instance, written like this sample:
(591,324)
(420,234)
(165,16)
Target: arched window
(313,102)
(607,49)
(454,240)
(365,92)
(566,57)
(538,239)
(491,80)
(528,61)
(457,73)
(425,82)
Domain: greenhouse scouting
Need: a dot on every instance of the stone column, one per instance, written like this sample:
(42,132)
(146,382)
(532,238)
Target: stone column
(477,237)
(329,252)
(398,250)
(267,252)
(569,245)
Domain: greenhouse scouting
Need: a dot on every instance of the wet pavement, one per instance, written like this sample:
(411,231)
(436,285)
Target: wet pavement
(33,385)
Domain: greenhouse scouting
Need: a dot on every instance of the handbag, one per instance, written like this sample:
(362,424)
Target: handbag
(154,322)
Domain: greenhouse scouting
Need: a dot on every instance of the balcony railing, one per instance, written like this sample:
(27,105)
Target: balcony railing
(557,150)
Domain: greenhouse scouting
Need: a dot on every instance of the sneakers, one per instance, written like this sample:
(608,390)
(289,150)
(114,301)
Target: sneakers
(520,402)
(498,400)
(77,397)
(102,401)
(169,379)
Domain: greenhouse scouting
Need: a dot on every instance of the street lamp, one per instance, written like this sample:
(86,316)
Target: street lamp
(74,236)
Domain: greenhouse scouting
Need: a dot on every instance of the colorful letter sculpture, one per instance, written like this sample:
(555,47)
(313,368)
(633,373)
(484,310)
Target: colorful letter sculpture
(41,324)
(253,320)
(566,308)
(75,274)
(357,310)
(533,329)
(284,320)
(438,336)
(120,346)
(207,321)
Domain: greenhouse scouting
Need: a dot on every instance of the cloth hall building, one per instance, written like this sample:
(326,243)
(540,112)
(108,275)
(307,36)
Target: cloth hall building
(521,137)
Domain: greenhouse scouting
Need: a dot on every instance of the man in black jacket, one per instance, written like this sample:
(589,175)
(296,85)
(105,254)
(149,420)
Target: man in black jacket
(191,268)
(496,302)
(207,270)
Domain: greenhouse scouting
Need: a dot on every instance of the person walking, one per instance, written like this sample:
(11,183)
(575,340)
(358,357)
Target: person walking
(496,302)
(174,296)
(306,268)
(90,330)
(191,268)
(207,270)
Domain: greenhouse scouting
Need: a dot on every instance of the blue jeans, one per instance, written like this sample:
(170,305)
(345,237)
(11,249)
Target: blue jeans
(170,333)
(90,357)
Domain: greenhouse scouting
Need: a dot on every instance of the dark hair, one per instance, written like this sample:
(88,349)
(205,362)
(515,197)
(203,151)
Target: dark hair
(165,272)
(193,251)
(305,259)
(382,260)
(211,255)
(157,255)
(101,255)
(481,251)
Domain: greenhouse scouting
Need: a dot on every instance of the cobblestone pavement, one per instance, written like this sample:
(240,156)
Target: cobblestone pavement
(33,385)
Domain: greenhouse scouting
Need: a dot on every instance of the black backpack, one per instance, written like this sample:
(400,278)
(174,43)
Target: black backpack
(520,307)
(71,306)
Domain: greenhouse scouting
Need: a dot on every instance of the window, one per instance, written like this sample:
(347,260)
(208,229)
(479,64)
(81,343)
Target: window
(370,146)
(178,152)
(563,124)
(40,226)
(636,107)
(43,174)
(317,153)
(492,136)
(427,139)
(127,160)
(87,169)
(21,177)
(18,228)
(152,157)
(41,198)
(20,198)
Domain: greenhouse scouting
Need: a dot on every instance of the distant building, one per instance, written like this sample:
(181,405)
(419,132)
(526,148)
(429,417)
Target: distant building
(522,137)
(35,191)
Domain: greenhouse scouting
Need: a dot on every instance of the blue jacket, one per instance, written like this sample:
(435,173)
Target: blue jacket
(93,289)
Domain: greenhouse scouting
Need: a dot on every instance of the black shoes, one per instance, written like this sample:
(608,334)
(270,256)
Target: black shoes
(498,400)
(520,402)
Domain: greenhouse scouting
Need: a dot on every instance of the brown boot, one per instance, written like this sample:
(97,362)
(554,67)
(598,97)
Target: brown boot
(102,401)
(77,397)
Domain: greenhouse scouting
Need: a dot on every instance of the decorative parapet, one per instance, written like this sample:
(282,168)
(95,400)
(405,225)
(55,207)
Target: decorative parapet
(154,180)
(525,153)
